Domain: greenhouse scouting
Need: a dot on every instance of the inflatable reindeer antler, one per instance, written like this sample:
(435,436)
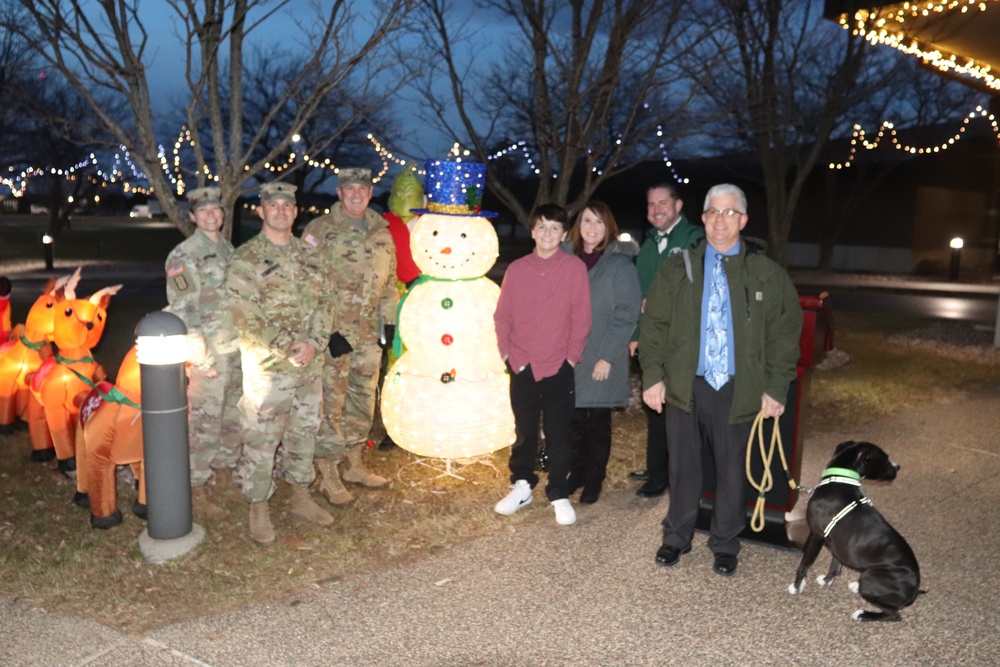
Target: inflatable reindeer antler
(69,283)
(102,296)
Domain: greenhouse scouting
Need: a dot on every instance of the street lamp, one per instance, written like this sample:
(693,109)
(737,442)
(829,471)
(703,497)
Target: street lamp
(47,242)
(162,350)
(956,257)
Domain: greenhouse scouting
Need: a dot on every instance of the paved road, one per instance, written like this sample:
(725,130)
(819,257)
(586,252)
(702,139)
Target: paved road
(545,595)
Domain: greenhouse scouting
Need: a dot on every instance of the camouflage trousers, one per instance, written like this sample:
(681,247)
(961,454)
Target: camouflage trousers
(214,417)
(278,408)
(350,383)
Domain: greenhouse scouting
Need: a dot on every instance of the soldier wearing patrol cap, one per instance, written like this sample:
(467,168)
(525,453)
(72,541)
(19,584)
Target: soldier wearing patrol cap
(196,270)
(275,291)
(359,264)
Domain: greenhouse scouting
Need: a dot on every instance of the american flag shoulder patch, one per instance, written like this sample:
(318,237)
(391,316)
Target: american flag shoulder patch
(174,270)
(311,240)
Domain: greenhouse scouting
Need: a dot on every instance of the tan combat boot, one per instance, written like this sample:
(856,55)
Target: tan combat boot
(330,485)
(203,507)
(223,482)
(261,531)
(355,471)
(302,506)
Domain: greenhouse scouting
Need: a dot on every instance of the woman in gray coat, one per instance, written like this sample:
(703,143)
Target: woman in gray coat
(602,376)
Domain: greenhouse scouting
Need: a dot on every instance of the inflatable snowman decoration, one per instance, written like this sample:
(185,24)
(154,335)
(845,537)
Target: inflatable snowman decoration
(448,394)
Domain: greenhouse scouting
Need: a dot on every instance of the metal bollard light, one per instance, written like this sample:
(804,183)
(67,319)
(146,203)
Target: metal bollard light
(162,352)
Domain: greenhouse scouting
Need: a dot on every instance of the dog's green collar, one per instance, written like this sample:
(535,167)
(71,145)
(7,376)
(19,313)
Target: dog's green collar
(841,472)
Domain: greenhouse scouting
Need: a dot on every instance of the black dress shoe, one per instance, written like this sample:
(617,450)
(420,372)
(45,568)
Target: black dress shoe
(590,494)
(725,564)
(652,489)
(668,556)
(639,475)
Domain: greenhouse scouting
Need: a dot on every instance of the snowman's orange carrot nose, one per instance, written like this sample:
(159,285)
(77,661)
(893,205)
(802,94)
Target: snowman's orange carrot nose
(445,251)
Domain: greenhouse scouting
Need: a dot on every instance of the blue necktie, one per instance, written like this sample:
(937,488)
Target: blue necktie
(716,337)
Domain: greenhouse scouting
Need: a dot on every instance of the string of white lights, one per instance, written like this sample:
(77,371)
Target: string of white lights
(890,29)
(103,177)
(860,138)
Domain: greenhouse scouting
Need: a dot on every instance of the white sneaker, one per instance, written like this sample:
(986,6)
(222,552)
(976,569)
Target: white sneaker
(565,515)
(519,496)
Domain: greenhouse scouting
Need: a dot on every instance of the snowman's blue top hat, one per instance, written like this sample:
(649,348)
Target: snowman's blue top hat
(454,188)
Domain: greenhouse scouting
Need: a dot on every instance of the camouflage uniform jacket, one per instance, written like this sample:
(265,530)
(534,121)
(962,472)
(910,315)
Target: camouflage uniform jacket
(196,273)
(275,295)
(361,268)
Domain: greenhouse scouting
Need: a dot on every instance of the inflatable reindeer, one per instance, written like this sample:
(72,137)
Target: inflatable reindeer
(63,381)
(22,355)
(109,435)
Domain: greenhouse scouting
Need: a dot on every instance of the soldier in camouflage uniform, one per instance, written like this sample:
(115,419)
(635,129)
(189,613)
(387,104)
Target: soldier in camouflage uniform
(359,266)
(274,287)
(196,271)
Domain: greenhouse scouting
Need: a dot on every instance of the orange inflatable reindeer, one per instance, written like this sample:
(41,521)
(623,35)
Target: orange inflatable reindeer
(63,382)
(21,356)
(109,435)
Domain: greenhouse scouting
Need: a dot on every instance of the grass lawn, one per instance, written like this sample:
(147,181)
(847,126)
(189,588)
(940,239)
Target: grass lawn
(50,557)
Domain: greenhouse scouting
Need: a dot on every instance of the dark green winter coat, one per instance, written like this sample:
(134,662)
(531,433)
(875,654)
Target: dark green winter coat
(767,320)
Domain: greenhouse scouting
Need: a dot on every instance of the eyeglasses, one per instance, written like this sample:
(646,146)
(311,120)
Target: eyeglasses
(727,213)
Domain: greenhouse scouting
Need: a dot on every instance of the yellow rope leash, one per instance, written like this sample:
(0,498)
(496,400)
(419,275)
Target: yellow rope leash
(766,481)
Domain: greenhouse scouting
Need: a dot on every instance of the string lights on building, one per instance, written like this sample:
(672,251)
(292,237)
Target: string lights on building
(860,138)
(890,28)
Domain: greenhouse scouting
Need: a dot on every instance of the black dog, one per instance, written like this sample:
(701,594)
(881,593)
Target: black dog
(840,516)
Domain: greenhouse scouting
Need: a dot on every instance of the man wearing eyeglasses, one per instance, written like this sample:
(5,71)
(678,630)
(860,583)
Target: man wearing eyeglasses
(719,340)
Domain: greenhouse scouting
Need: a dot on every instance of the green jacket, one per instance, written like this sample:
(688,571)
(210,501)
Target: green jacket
(683,235)
(767,321)
(650,259)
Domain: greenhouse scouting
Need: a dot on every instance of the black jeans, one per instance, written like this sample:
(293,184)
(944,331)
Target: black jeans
(552,399)
(590,435)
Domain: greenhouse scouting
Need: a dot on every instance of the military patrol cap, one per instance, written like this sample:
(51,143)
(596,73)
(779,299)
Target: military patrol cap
(354,175)
(204,197)
(277,190)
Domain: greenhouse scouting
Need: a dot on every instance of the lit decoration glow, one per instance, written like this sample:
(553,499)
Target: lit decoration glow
(448,394)
(889,28)
(860,137)
(125,172)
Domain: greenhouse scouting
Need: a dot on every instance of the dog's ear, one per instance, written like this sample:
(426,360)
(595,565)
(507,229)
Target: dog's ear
(842,447)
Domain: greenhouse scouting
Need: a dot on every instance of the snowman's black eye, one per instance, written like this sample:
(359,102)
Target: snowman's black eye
(435,233)
(463,235)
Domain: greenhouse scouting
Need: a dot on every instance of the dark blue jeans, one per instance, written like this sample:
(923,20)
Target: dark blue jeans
(553,400)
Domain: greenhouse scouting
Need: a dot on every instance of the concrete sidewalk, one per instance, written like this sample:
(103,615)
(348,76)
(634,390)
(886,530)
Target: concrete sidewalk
(590,594)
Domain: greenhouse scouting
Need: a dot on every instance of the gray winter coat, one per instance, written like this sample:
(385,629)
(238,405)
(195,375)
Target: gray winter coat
(615,301)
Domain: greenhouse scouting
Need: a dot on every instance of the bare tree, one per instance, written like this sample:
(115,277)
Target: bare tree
(583,88)
(336,135)
(16,66)
(783,80)
(105,47)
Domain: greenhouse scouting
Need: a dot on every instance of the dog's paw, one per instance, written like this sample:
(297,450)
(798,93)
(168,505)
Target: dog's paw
(795,590)
(858,615)
(853,586)
(821,580)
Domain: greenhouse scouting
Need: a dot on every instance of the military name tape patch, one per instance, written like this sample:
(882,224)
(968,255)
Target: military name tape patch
(181,283)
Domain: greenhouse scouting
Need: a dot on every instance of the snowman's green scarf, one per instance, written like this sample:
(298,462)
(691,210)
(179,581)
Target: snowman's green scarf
(397,342)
